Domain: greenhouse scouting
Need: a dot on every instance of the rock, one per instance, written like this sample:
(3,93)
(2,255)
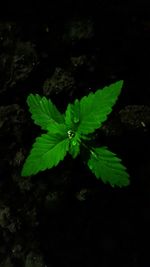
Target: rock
(34,260)
(61,81)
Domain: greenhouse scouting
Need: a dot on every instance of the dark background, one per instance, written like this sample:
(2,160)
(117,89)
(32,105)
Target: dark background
(64,216)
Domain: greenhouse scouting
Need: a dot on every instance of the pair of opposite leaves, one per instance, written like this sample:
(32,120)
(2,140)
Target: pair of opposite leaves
(65,133)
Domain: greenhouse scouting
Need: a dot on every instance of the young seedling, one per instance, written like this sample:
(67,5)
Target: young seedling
(68,132)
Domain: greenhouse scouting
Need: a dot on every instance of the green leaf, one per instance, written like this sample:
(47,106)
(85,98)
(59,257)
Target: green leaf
(48,150)
(66,131)
(95,107)
(43,111)
(57,128)
(105,165)
(74,145)
(72,115)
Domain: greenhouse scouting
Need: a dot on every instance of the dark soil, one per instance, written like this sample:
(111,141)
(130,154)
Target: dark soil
(65,216)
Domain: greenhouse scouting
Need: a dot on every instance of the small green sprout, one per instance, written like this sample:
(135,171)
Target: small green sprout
(65,133)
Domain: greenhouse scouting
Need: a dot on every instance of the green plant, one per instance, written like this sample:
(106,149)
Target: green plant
(67,132)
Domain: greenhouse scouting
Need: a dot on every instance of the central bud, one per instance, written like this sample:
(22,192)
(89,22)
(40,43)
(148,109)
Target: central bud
(71,134)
